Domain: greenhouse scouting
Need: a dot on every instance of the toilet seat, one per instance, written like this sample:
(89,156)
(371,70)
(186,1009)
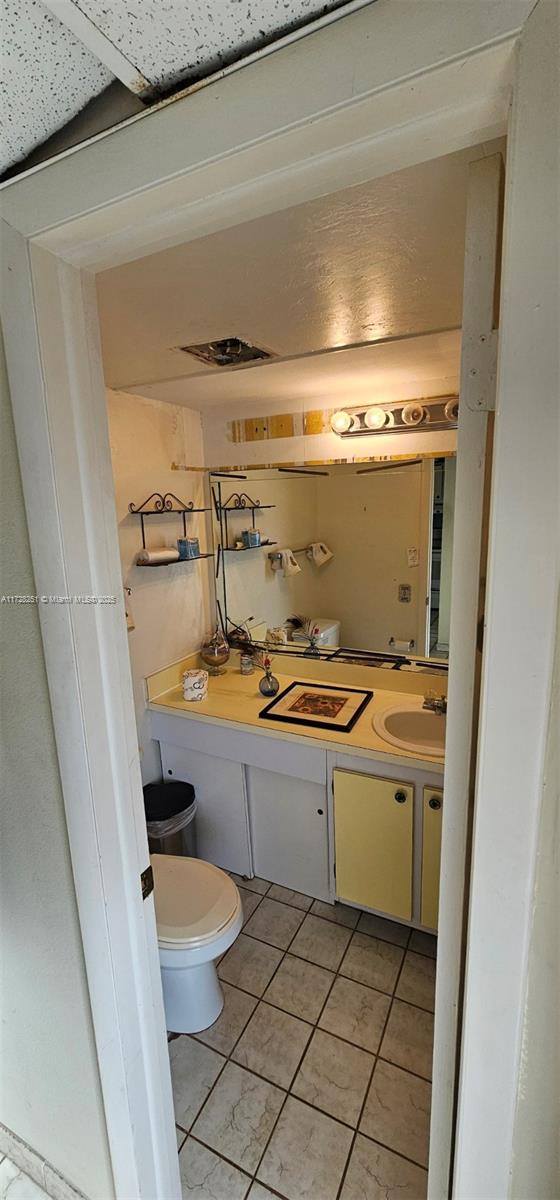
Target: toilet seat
(194,901)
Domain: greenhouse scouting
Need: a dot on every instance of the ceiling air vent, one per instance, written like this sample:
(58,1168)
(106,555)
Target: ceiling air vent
(227,352)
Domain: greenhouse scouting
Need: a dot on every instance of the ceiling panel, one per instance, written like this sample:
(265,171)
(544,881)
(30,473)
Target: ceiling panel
(379,260)
(173,42)
(47,76)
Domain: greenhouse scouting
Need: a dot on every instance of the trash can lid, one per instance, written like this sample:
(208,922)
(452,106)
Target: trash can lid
(164,800)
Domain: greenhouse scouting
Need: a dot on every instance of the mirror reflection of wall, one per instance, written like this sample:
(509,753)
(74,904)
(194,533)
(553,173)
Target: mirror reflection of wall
(376,520)
(443,506)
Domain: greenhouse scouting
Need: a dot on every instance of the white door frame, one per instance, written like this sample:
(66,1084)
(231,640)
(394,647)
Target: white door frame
(478,397)
(521,605)
(410,84)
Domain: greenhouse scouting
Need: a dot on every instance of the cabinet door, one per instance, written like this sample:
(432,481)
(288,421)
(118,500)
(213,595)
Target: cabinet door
(222,832)
(373,842)
(431,853)
(289,838)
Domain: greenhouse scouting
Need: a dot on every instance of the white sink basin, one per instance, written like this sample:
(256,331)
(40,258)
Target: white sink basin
(413,728)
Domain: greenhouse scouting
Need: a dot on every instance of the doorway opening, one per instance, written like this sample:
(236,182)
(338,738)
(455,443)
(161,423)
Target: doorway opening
(218,469)
(53,241)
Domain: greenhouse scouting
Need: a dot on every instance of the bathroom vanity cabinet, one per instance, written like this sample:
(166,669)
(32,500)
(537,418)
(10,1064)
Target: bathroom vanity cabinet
(362,829)
(373,839)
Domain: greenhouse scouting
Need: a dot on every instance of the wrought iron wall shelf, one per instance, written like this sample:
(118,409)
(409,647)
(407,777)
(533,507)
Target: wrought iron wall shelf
(175,562)
(241,502)
(242,549)
(238,502)
(163,506)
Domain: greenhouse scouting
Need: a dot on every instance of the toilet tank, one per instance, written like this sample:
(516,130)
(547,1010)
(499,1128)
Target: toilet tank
(329,632)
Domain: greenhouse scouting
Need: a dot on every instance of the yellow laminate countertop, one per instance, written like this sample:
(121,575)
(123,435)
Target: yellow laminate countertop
(234,699)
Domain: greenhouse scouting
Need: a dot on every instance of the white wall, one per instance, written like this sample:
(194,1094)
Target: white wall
(50,1093)
(170,605)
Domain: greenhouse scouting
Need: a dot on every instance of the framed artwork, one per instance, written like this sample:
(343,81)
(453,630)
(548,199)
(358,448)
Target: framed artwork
(319,705)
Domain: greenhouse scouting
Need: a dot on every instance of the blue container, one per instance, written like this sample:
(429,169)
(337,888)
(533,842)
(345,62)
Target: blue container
(251,538)
(188,548)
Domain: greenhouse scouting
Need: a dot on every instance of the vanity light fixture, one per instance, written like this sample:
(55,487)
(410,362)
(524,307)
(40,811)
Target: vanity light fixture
(439,412)
(375,417)
(341,421)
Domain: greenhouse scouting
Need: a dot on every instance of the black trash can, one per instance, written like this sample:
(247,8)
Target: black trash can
(170,817)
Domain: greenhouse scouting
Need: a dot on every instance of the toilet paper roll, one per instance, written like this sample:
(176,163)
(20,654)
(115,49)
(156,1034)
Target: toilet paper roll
(319,554)
(150,558)
(288,563)
(400,646)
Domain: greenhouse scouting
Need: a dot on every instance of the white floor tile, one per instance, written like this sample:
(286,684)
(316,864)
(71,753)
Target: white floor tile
(194,1068)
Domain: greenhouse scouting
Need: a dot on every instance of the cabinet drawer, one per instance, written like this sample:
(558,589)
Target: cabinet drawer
(373,821)
(432,814)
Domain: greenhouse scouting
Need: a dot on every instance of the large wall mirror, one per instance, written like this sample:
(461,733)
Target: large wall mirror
(354,556)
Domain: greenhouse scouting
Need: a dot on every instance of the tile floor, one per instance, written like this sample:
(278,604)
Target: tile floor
(314,1083)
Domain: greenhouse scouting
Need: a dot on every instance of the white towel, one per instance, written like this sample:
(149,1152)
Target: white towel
(151,558)
(319,554)
(288,563)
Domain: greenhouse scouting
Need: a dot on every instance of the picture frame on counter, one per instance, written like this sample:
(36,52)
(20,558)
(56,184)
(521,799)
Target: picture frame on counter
(318,705)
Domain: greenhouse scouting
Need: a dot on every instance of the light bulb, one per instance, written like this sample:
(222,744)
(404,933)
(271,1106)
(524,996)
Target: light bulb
(413,413)
(452,409)
(341,421)
(375,418)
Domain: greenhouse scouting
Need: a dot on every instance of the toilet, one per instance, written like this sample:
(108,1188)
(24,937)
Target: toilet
(198,916)
(328,636)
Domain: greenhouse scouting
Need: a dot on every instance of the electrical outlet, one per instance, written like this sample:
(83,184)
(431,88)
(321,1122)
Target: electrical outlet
(405,593)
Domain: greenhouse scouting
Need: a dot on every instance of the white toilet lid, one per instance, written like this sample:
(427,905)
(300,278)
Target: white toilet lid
(194,900)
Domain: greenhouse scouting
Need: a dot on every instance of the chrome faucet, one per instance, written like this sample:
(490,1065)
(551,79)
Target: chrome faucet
(437,704)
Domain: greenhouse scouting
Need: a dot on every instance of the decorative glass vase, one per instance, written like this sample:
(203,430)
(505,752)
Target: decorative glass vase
(268,685)
(214,652)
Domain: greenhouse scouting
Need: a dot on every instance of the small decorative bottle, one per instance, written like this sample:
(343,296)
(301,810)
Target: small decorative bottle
(311,650)
(268,685)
